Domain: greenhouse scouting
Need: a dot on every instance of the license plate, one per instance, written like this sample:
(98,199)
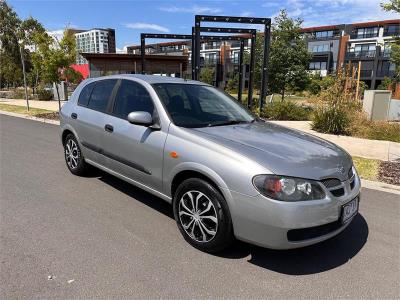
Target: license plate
(349,210)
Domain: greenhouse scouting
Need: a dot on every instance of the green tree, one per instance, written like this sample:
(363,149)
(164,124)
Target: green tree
(392,5)
(57,58)
(289,57)
(33,33)
(9,49)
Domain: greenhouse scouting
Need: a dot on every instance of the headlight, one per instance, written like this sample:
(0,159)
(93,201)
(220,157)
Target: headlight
(288,188)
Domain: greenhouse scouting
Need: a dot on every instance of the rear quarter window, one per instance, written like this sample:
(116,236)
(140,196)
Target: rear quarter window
(85,94)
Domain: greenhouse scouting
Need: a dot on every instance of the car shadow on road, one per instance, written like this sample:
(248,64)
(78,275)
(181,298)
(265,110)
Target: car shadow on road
(313,259)
(136,193)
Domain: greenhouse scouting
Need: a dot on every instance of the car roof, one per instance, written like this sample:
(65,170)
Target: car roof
(152,78)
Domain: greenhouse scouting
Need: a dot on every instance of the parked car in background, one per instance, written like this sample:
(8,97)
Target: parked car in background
(227,173)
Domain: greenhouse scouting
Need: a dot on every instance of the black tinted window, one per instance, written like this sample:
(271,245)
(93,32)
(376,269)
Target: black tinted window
(101,93)
(85,94)
(132,96)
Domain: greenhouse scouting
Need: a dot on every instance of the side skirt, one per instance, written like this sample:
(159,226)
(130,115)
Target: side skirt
(131,181)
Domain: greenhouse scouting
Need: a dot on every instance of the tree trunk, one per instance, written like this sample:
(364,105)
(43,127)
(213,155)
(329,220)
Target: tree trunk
(283,94)
(58,98)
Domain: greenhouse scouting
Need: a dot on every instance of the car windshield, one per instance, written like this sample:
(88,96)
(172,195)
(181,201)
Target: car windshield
(192,105)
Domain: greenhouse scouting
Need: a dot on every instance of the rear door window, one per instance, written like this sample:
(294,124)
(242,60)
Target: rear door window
(101,93)
(132,96)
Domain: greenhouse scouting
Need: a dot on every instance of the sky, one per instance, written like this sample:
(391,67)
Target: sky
(131,17)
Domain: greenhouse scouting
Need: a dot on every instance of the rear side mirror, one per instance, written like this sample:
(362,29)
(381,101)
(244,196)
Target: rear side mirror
(142,118)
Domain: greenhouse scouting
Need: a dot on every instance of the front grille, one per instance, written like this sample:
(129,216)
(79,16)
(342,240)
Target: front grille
(331,182)
(296,235)
(334,185)
(338,193)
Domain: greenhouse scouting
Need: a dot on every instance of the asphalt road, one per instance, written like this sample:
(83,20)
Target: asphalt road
(98,237)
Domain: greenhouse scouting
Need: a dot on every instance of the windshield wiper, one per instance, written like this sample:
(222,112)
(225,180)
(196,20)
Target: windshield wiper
(229,122)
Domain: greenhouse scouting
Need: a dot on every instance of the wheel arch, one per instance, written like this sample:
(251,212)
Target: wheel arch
(184,171)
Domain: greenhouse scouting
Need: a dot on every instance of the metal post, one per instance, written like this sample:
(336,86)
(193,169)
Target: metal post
(193,54)
(264,75)
(23,71)
(240,88)
(142,51)
(251,71)
(197,48)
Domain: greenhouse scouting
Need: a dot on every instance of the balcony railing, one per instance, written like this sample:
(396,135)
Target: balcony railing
(386,73)
(364,35)
(361,54)
(210,62)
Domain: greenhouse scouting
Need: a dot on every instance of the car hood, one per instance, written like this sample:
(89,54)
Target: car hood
(282,150)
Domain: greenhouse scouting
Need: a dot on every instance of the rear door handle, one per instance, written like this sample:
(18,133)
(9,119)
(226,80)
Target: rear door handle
(74,116)
(108,128)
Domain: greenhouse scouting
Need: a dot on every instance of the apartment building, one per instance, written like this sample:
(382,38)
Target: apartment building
(368,42)
(331,46)
(96,40)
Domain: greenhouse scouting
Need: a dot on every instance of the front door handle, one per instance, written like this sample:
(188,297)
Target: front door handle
(108,128)
(74,116)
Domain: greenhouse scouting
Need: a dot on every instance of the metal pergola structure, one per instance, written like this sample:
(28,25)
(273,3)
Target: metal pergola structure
(242,20)
(240,38)
(196,53)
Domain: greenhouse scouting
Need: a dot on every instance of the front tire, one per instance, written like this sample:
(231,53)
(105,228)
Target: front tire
(73,156)
(202,215)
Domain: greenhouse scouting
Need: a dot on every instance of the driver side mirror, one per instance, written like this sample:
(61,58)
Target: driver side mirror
(142,118)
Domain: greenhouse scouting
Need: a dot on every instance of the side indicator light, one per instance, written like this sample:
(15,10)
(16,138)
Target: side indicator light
(173,154)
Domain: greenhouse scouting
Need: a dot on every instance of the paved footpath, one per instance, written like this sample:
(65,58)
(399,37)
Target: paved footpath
(49,105)
(382,150)
(99,237)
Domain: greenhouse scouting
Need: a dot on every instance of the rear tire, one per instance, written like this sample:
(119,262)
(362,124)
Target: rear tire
(73,156)
(202,215)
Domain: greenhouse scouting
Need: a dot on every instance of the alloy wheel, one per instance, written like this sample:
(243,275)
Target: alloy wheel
(198,216)
(72,154)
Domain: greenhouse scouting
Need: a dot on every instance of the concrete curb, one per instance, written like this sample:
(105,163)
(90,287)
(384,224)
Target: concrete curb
(380,186)
(374,185)
(43,120)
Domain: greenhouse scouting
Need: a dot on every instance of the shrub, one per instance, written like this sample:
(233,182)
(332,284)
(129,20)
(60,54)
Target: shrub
(207,75)
(377,130)
(331,120)
(44,94)
(286,110)
(335,106)
(18,94)
(232,84)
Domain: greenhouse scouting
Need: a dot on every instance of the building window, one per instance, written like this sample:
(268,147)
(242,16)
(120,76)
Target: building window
(317,65)
(364,47)
(368,32)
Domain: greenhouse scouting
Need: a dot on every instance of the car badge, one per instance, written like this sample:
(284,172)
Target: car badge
(341,169)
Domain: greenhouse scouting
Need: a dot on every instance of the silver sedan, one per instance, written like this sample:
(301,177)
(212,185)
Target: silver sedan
(227,173)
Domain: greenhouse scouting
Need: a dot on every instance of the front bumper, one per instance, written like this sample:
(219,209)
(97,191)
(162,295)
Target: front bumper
(266,222)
